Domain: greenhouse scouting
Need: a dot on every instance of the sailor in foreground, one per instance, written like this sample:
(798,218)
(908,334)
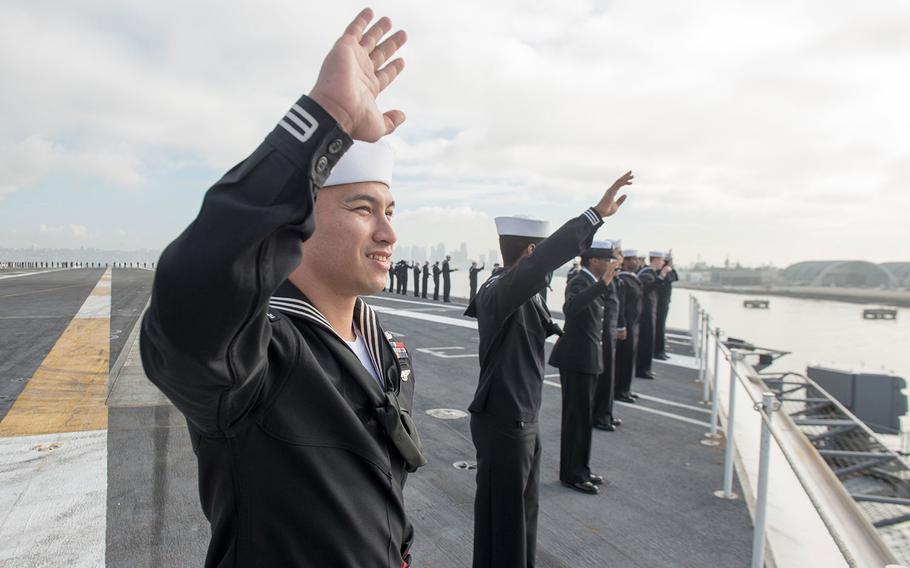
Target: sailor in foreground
(663,308)
(512,325)
(626,346)
(614,328)
(297,402)
(578,355)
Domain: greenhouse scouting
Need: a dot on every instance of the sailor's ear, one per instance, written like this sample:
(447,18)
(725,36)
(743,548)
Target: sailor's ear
(530,248)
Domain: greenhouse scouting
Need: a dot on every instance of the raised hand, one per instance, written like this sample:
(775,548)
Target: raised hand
(355,72)
(612,269)
(609,203)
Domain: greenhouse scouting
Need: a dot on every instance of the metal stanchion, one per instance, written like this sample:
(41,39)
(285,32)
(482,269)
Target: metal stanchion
(704,355)
(696,344)
(727,491)
(767,405)
(712,437)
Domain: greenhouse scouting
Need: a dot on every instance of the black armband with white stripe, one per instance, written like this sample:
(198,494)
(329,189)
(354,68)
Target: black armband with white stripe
(593,216)
(308,132)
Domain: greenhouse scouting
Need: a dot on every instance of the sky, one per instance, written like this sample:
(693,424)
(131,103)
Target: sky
(763,132)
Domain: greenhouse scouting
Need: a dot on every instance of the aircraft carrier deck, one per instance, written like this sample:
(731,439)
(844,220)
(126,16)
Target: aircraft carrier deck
(96,467)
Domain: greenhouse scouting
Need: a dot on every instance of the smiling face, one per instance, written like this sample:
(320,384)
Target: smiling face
(350,249)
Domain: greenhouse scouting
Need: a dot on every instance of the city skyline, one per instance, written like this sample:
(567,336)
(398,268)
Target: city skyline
(771,132)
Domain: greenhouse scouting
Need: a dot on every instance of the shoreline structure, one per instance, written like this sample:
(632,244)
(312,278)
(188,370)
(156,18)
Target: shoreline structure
(895,298)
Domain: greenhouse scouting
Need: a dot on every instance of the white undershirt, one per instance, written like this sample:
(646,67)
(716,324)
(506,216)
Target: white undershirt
(359,347)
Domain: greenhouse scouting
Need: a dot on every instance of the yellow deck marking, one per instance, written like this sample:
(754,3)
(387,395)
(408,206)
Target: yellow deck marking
(67,392)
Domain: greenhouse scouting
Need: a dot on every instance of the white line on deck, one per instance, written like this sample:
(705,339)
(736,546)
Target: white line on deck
(672,403)
(21,274)
(651,410)
(678,360)
(445,305)
(440,352)
(649,397)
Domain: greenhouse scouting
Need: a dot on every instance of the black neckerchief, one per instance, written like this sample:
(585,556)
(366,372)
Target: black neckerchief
(398,425)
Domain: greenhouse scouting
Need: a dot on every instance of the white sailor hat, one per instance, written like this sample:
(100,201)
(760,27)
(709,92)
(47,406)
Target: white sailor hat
(522,226)
(364,161)
(599,249)
(657,254)
(630,253)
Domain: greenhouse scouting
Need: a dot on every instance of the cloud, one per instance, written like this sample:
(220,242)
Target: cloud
(72,230)
(735,117)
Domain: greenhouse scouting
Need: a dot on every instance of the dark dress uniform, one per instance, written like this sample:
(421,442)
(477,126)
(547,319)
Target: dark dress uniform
(650,283)
(472,278)
(436,271)
(403,278)
(298,465)
(614,321)
(426,278)
(512,325)
(416,270)
(391,277)
(578,355)
(446,280)
(625,348)
(663,309)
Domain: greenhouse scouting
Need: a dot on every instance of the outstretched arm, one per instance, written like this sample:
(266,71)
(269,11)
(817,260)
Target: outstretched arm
(518,284)
(205,337)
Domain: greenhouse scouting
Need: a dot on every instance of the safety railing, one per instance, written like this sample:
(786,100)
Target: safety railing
(854,537)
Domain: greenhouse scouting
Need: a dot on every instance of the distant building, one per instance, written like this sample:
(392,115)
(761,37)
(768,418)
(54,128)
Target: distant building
(900,270)
(847,274)
(742,276)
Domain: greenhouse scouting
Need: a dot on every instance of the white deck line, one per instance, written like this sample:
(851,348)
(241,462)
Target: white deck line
(437,303)
(54,497)
(21,274)
(646,409)
(471,324)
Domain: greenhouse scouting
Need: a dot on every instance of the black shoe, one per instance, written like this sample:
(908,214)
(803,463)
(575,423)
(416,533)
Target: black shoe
(583,487)
(634,395)
(645,375)
(606,427)
(617,422)
(624,398)
(662,357)
(596,479)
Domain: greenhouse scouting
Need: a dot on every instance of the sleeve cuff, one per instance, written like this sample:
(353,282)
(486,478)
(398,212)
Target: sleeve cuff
(591,215)
(310,138)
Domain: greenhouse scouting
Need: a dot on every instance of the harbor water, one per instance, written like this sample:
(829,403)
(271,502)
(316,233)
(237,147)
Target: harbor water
(816,332)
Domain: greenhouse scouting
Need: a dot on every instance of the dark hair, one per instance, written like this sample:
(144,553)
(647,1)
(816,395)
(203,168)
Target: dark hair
(512,247)
(586,261)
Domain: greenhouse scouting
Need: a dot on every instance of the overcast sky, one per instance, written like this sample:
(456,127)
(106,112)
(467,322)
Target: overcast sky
(766,131)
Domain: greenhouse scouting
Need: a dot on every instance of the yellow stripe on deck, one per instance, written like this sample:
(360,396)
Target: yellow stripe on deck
(67,393)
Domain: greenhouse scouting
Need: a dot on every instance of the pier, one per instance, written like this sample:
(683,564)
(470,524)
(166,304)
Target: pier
(880,313)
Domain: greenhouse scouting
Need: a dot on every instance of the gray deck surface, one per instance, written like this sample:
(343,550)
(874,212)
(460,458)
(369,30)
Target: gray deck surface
(657,508)
(34,311)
